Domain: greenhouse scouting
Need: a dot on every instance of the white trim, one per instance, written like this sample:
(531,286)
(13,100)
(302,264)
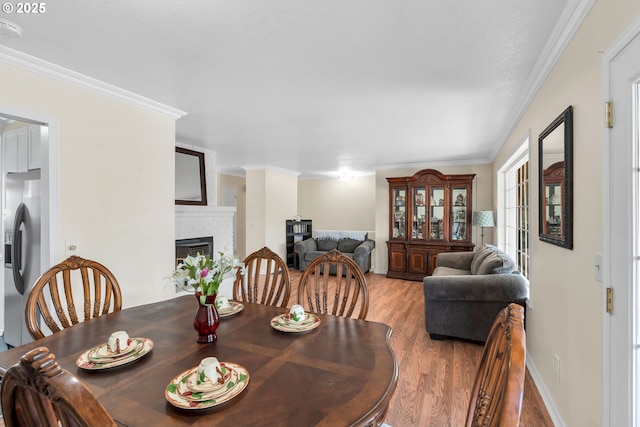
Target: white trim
(554,414)
(48,69)
(609,386)
(570,20)
(271,168)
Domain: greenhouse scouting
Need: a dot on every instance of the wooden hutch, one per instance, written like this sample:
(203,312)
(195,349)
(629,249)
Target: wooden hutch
(429,213)
(553,199)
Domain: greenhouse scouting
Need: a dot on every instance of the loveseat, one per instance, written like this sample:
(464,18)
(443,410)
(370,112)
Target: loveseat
(354,244)
(467,290)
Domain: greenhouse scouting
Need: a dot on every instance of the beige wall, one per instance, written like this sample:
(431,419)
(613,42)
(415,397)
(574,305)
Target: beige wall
(240,233)
(338,205)
(567,310)
(115,180)
(271,199)
(482,200)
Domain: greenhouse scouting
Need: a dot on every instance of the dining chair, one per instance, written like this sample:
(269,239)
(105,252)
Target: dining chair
(496,396)
(36,391)
(265,279)
(334,284)
(100,295)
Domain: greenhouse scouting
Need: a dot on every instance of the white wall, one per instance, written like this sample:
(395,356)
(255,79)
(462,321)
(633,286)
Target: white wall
(567,311)
(115,178)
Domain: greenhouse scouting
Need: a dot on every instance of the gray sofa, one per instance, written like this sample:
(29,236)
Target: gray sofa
(355,245)
(467,290)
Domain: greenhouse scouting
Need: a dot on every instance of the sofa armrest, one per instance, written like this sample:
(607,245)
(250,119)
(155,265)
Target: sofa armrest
(486,287)
(364,248)
(305,246)
(457,260)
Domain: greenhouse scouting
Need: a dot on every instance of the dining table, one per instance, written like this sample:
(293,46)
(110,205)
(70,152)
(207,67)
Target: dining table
(341,373)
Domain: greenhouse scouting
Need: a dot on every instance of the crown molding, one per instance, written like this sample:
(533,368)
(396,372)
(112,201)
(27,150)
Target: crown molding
(568,24)
(36,65)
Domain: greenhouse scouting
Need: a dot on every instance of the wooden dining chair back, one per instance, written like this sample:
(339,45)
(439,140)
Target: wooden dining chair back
(38,392)
(496,396)
(73,282)
(265,279)
(334,284)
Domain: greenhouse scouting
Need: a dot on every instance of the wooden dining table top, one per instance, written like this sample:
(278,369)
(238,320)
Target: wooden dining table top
(341,373)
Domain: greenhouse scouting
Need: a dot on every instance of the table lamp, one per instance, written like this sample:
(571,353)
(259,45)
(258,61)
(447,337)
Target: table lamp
(483,219)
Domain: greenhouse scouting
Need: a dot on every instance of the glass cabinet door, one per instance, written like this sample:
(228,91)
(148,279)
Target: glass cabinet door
(399,213)
(459,197)
(419,212)
(436,214)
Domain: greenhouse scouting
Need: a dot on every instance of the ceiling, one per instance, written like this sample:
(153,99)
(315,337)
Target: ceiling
(312,86)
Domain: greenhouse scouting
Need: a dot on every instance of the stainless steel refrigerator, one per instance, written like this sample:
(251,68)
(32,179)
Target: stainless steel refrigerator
(21,250)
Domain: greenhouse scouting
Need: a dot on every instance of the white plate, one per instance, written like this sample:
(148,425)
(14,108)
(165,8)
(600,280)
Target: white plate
(234,308)
(178,394)
(284,324)
(145,345)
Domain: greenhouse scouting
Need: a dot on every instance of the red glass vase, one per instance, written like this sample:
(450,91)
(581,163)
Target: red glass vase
(207,318)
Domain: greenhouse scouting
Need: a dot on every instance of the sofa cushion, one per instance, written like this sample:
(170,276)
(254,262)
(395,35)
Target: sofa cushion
(449,271)
(496,263)
(480,256)
(348,246)
(327,244)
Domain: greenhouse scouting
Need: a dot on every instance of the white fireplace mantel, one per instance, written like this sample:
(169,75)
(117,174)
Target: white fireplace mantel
(199,221)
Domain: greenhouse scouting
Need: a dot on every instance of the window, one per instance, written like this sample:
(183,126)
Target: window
(513,207)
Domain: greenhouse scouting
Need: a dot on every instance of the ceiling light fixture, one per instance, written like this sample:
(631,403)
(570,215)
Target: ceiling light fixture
(345,176)
(10,29)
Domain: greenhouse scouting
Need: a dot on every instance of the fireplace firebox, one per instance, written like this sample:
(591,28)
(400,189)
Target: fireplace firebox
(194,246)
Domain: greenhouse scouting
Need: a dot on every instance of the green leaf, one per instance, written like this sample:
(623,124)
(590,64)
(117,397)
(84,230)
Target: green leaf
(172,388)
(196,395)
(230,384)
(242,377)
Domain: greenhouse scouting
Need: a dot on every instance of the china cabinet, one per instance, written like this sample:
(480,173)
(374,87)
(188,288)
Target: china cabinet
(553,188)
(430,213)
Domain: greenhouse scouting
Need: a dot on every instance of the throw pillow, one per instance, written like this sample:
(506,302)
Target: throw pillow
(480,256)
(348,246)
(327,244)
(491,264)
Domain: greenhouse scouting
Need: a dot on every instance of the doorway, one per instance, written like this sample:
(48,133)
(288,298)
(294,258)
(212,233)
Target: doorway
(25,226)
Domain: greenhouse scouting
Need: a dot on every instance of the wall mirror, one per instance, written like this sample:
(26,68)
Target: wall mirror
(555,159)
(191,185)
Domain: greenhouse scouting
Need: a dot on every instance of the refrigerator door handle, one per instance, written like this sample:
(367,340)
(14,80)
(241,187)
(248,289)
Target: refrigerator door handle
(16,248)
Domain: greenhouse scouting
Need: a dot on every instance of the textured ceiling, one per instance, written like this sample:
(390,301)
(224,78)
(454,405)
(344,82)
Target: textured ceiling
(311,86)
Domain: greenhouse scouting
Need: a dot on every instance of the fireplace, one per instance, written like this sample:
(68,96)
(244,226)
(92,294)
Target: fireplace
(193,246)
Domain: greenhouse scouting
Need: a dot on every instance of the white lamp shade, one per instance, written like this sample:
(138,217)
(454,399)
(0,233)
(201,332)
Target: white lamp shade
(483,219)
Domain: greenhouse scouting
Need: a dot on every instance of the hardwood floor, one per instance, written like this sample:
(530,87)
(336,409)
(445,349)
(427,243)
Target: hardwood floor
(434,377)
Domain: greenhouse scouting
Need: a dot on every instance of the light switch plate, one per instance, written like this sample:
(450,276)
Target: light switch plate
(598,266)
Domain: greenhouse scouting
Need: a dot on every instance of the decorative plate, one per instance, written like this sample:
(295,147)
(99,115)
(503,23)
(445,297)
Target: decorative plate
(102,353)
(179,394)
(234,308)
(284,324)
(88,359)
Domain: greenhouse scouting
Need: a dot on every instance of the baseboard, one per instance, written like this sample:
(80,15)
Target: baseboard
(544,394)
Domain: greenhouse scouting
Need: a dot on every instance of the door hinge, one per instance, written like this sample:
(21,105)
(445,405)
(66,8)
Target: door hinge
(608,114)
(610,300)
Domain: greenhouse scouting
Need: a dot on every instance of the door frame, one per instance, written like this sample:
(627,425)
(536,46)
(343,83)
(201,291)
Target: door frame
(49,179)
(618,329)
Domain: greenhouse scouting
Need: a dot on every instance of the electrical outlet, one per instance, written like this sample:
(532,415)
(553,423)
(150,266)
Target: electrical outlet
(556,365)
(71,247)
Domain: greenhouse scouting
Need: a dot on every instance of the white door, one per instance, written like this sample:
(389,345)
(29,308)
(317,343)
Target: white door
(621,196)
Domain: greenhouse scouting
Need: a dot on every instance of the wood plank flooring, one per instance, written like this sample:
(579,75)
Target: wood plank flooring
(434,377)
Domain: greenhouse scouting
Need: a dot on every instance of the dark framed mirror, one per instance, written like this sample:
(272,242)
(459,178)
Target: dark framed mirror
(191,183)
(555,159)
